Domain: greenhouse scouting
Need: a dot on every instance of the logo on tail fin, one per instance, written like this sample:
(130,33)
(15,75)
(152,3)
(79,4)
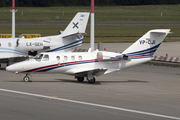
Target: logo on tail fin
(75,25)
(82,15)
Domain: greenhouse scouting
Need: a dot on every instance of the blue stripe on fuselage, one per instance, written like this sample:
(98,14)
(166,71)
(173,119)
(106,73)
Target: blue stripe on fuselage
(67,46)
(143,52)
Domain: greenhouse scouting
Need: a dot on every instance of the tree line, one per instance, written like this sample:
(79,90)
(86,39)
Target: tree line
(50,3)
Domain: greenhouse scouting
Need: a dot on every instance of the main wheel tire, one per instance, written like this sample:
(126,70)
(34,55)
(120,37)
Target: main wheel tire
(26,79)
(93,80)
(80,79)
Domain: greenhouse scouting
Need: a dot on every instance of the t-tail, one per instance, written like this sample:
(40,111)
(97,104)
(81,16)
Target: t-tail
(74,33)
(145,47)
(77,26)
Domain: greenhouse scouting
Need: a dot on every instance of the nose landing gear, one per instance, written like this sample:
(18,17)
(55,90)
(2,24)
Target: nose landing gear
(26,78)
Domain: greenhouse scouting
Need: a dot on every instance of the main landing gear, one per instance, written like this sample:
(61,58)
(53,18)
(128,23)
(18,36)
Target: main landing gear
(90,80)
(26,78)
(80,79)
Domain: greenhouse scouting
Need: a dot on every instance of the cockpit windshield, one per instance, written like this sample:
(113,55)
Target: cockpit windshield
(38,57)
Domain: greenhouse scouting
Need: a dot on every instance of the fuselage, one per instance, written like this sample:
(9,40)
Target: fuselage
(10,49)
(71,63)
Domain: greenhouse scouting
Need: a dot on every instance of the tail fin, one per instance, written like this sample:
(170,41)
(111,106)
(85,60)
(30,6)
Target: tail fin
(77,25)
(147,44)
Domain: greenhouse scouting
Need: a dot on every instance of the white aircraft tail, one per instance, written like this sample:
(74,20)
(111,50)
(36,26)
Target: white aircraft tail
(147,44)
(77,25)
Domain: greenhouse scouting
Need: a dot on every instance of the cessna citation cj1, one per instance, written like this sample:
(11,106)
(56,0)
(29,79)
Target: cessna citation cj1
(90,64)
(18,49)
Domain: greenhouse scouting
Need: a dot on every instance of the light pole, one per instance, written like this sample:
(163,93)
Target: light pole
(92,26)
(13,10)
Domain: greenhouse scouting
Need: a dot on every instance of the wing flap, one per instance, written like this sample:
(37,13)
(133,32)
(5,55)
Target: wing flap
(84,72)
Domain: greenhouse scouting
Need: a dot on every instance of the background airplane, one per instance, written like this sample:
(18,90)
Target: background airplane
(18,49)
(90,64)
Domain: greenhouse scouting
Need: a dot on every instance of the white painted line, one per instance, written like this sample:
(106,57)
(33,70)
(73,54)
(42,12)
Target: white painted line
(91,104)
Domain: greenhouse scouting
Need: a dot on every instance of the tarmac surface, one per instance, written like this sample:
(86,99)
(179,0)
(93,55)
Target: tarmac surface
(137,93)
(142,92)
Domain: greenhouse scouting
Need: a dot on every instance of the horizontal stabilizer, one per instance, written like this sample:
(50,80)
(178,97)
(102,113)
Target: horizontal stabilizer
(75,36)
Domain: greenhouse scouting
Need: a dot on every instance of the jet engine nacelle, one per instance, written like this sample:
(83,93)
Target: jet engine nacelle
(32,44)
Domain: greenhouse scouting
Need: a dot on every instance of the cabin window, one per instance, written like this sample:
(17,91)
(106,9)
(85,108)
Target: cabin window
(80,57)
(65,58)
(58,58)
(72,58)
(0,44)
(9,44)
(46,58)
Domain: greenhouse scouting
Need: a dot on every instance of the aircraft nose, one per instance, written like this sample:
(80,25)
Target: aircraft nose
(11,68)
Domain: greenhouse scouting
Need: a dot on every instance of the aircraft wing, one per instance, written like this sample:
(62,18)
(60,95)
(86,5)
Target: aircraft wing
(13,59)
(85,71)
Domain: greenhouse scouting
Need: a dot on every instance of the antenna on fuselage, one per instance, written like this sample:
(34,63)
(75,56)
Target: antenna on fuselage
(13,10)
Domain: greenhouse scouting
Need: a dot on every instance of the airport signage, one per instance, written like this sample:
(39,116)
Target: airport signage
(31,35)
(5,35)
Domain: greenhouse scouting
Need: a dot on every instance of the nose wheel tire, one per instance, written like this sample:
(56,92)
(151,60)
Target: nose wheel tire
(92,80)
(26,79)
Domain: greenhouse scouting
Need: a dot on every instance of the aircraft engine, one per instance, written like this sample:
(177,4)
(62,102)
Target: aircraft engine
(32,44)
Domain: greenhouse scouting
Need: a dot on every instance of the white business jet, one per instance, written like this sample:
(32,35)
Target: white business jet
(90,64)
(18,49)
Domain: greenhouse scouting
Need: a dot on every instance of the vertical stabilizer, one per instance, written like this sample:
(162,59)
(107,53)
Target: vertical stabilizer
(147,44)
(77,25)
